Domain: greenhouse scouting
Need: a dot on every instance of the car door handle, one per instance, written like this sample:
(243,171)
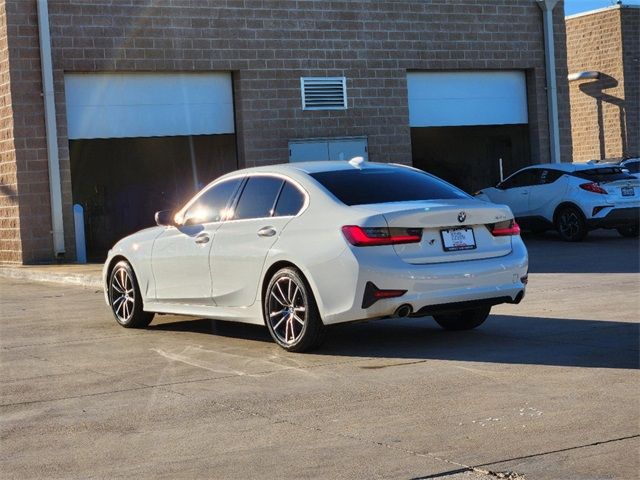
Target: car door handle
(202,238)
(267,232)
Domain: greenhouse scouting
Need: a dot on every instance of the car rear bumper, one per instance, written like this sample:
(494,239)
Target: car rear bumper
(617,217)
(431,288)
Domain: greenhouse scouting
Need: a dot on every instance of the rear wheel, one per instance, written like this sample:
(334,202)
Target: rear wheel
(125,298)
(630,231)
(290,312)
(570,224)
(464,319)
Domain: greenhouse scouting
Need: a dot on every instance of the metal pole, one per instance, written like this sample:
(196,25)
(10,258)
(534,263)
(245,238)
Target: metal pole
(547,7)
(78,223)
(194,169)
(55,189)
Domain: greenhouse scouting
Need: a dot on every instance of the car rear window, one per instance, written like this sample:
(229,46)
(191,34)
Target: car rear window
(633,167)
(603,174)
(384,185)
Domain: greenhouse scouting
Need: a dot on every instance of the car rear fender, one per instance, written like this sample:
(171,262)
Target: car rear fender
(566,204)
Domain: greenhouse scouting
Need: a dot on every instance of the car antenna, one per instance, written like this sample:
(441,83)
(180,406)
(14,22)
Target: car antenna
(356,162)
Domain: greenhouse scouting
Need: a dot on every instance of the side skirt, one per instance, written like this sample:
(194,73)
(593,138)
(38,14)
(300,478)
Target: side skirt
(252,314)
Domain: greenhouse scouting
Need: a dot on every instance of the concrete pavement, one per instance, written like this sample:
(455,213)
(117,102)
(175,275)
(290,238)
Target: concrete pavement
(547,389)
(86,275)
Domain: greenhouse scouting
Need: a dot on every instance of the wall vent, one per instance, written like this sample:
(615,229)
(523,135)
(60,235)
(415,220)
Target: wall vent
(324,93)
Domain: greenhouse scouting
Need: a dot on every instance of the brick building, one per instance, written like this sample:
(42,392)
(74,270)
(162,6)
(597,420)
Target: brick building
(155,97)
(605,111)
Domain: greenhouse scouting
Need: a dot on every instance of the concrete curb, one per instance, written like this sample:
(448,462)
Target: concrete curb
(47,275)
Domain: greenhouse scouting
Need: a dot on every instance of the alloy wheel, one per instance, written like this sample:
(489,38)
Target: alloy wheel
(287,310)
(123,300)
(569,224)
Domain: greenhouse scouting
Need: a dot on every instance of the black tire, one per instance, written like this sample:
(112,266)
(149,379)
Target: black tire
(570,224)
(630,231)
(290,312)
(463,320)
(125,298)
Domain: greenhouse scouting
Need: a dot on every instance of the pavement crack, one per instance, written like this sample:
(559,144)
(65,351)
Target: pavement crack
(560,450)
(399,364)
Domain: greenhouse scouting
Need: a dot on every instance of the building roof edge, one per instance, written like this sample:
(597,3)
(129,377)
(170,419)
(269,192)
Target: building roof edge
(599,10)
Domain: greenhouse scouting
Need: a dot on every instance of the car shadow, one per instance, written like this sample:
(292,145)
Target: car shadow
(502,339)
(603,251)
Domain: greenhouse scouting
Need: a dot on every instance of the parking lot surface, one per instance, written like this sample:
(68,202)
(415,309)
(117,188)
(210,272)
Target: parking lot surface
(547,389)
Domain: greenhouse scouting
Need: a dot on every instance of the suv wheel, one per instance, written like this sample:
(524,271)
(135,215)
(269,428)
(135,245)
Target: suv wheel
(570,224)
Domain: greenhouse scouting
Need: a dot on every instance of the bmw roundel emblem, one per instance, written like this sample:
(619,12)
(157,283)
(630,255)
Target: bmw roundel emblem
(462,216)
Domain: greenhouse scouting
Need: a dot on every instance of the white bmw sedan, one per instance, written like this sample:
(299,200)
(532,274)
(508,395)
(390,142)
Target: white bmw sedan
(300,246)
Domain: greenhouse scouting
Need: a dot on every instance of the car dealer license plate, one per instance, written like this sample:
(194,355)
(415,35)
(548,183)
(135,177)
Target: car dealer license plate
(628,192)
(455,239)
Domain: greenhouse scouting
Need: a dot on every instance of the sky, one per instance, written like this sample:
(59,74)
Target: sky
(578,6)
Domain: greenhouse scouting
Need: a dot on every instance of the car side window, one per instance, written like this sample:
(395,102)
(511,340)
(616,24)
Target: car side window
(548,176)
(258,198)
(211,205)
(290,201)
(521,179)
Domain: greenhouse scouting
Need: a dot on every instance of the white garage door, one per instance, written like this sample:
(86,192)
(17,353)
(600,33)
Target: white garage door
(439,99)
(117,105)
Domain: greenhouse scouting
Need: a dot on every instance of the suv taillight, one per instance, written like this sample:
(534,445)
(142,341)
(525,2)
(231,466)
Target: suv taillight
(373,236)
(593,187)
(503,229)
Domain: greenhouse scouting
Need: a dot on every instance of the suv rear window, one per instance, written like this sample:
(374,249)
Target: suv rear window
(384,185)
(633,167)
(603,174)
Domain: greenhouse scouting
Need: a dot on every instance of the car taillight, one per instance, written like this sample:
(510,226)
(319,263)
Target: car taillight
(373,236)
(503,229)
(593,188)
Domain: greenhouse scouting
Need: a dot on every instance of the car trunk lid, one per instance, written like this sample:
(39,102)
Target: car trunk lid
(622,191)
(452,230)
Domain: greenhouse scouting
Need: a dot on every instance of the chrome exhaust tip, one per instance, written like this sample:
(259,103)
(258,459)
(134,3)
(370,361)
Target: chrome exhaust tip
(403,311)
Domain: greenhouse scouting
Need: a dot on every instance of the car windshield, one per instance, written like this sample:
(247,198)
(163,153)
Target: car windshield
(385,185)
(603,174)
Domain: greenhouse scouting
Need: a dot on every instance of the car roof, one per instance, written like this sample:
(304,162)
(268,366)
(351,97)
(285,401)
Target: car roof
(571,167)
(315,167)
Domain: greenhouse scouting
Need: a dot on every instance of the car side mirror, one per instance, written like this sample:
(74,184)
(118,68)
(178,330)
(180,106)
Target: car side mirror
(164,218)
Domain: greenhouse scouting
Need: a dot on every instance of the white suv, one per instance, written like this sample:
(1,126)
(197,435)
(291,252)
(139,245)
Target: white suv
(573,198)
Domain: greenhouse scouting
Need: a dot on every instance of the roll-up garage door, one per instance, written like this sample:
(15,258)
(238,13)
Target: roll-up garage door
(120,105)
(444,99)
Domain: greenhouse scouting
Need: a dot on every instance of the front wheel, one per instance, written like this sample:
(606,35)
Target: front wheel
(570,224)
(290,312)
(630,231)
(463,320)
(125,298)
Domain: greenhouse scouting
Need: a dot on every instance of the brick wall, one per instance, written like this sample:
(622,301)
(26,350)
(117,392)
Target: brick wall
(604,112)
(631,65)
(30,141)
(268,45)
(10,247)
